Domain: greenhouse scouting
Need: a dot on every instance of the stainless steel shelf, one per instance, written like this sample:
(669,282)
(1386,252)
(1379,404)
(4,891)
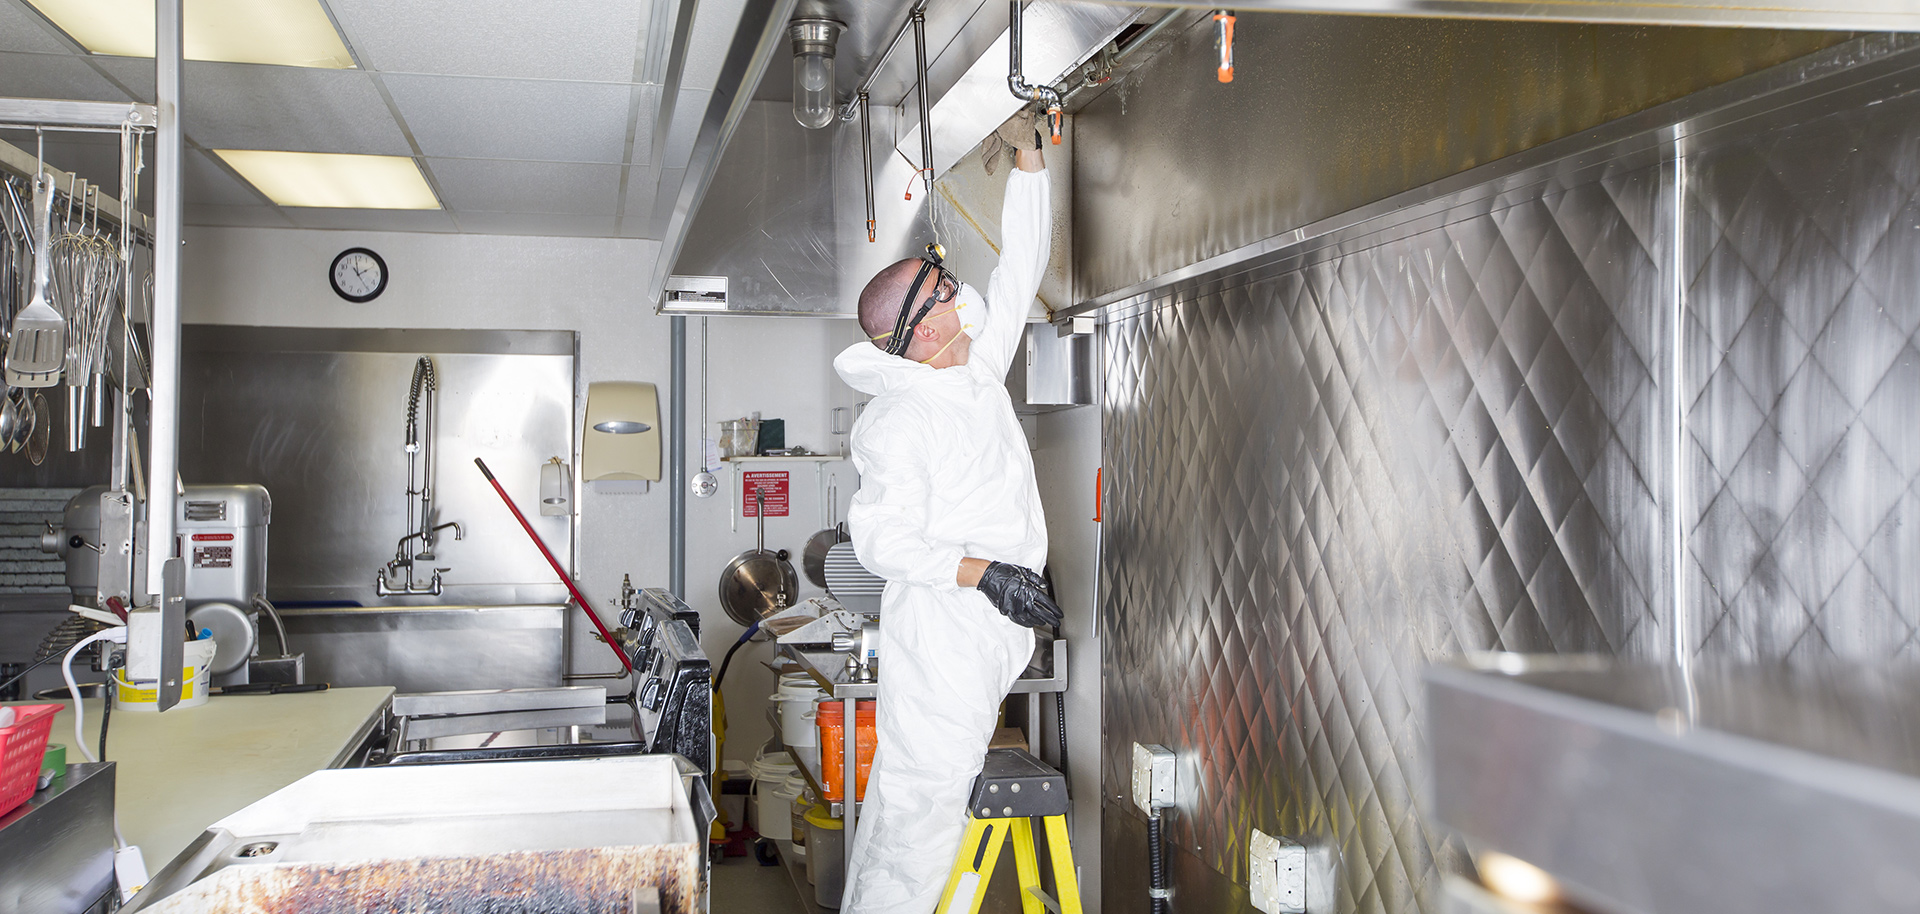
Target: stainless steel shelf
(1732,789)
(828,668)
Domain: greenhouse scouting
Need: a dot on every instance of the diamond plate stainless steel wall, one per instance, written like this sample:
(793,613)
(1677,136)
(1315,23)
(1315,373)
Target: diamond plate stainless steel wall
(1322,479)
(1804,257)
(1451,432)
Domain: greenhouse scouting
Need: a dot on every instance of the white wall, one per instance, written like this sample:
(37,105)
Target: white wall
(277,277)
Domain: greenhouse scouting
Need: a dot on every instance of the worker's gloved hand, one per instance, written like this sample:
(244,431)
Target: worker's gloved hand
(1021,131)
(1019,594)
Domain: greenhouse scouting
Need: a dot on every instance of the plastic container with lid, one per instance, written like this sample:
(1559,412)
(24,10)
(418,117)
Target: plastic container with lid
(826,856)
(794,791)
(772,812)
(144,694)
(795,701)
(830,714)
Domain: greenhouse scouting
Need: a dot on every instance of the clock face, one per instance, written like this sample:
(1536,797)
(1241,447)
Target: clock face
(358,275)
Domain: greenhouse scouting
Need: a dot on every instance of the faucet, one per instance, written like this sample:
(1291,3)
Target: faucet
(396,578)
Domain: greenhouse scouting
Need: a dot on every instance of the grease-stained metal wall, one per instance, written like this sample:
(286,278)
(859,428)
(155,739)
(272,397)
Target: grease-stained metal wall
(1453,427)
(1803,300)
(1329,113)
(1322,479)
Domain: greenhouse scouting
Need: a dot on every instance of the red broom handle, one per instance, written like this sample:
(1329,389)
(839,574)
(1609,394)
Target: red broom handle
(564,579)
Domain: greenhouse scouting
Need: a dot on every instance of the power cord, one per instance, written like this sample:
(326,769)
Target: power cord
(30,668)
(118,635)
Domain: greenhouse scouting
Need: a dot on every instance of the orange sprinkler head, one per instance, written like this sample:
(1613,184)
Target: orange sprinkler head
(1223,42)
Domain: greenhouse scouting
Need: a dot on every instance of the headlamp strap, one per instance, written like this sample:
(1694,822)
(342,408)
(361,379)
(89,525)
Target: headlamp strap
(902,335)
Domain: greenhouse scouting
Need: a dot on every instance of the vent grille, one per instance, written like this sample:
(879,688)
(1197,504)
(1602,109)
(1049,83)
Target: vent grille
(206,510)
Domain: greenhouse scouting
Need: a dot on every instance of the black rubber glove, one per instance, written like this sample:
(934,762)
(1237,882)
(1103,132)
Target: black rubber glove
(1019,594)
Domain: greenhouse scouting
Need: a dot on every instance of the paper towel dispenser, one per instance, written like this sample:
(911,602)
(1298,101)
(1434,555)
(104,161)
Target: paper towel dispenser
(622,438)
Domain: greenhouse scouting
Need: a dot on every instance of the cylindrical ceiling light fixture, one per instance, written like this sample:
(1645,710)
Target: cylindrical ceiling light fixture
(813,43)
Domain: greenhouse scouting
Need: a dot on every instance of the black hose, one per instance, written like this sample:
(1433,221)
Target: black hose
(1156,867)
(106,710)
(728,659)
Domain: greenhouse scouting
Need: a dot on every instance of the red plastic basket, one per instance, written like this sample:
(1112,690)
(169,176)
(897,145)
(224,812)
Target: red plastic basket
(21,748)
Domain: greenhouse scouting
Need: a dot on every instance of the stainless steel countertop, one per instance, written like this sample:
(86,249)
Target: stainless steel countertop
(1644,790)
(181,770)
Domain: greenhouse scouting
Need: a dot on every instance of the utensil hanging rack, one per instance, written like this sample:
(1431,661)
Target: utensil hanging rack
(117,228)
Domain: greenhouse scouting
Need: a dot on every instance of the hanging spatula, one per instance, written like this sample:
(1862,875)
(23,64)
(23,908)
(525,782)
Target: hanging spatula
(38,347)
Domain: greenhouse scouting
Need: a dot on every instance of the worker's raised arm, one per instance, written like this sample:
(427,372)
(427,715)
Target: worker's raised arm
(1026,240)
(888,516)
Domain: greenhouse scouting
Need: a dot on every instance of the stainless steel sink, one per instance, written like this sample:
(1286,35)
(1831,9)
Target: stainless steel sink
(432,648)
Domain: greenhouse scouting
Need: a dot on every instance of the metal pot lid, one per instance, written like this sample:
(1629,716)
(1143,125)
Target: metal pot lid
(813,559)
(757,584)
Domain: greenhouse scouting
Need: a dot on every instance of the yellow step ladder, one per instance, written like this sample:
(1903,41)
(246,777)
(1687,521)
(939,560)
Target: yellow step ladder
(1015,796)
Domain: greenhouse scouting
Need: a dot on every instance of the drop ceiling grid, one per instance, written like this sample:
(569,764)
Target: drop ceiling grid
(20,30)
(585,40)
(513,111)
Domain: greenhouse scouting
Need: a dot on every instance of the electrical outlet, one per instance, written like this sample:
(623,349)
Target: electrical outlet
(1152,777)
(1277,874)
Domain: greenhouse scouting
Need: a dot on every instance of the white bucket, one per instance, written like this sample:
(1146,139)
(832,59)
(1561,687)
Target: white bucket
(794,792)
(772,813)
(196,663)
(795,702)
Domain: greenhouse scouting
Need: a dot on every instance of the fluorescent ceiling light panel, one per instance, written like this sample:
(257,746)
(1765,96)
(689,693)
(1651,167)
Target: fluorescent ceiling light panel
(292,33)
(332,179)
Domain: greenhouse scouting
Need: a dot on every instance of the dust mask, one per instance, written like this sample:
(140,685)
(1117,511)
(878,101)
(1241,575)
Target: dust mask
(971,308)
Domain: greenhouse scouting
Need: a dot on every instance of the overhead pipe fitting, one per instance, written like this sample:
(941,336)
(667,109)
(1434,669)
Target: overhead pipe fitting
(1017,83)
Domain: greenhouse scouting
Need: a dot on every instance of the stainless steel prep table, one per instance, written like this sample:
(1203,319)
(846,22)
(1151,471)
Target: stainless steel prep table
(181,770)
(828,668)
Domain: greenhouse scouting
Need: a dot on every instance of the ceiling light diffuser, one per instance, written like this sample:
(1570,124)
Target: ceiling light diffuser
(329,179)
(292,33)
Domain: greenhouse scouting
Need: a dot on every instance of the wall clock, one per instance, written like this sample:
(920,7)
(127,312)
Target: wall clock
(358,275)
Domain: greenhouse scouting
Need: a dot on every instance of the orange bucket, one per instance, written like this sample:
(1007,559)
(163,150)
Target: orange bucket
(830,713)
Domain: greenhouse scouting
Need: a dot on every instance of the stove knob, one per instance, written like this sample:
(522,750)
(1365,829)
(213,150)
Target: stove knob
(653,695)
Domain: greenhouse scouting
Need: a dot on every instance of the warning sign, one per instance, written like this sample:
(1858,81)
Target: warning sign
(771,482)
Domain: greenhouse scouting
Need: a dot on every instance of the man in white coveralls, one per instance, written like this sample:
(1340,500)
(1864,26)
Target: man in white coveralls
(948,513)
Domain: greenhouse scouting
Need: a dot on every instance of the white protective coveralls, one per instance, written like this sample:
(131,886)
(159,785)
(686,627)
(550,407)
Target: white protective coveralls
(944,474)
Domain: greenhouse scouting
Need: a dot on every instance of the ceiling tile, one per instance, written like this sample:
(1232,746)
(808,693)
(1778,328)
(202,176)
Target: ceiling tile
(136,73)
(373,220)
(250,106)
(514,119)
(21,29)
(54,76)
(555,39)
(495,185)
(210,184)
(249,216)
(482,223)
(667,194)
(714,23)
(647,116)
(687,114)
(637,217)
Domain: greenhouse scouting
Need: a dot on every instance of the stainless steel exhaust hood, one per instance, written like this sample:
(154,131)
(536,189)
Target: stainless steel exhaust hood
(782,226)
